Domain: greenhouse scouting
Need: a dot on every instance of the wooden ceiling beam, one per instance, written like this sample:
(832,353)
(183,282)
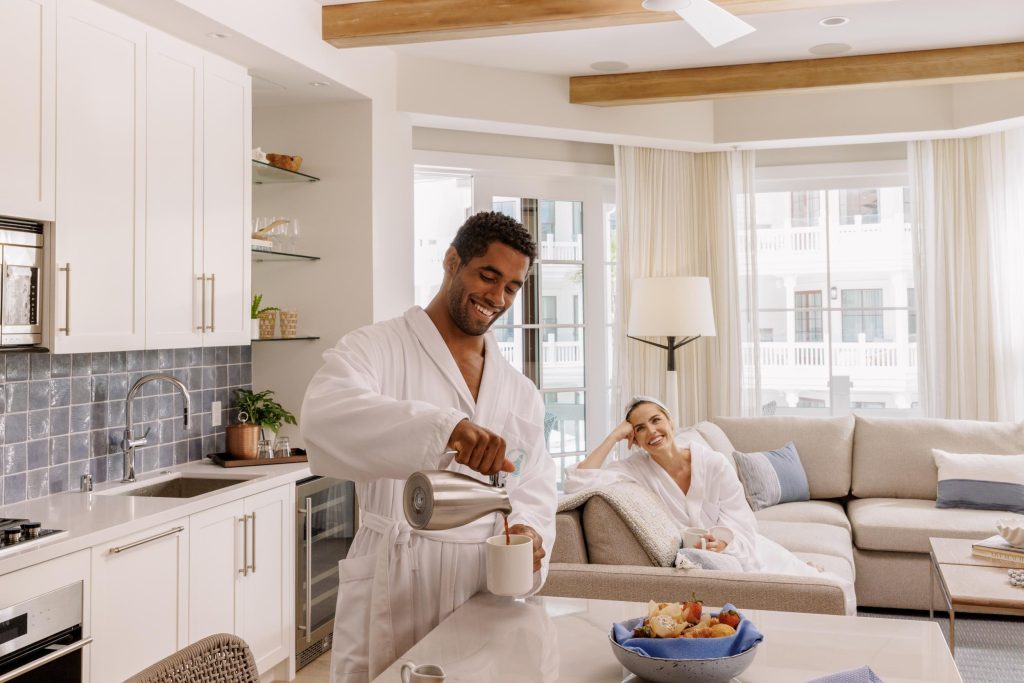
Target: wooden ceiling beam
(649,87)
(393,22)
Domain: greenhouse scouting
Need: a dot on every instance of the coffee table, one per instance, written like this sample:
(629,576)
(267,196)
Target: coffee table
(501,640)
(971,583)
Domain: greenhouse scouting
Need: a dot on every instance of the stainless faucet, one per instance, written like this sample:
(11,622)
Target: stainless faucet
(129,442)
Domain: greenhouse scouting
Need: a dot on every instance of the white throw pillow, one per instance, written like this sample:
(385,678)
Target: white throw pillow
(979,481)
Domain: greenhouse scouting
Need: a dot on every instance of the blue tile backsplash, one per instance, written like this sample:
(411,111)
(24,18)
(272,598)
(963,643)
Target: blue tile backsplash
(63,415)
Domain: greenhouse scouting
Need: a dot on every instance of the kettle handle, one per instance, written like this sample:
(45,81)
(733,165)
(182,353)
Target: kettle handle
(497,479)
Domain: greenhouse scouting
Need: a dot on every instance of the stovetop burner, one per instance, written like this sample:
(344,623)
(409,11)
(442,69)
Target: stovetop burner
(15,533)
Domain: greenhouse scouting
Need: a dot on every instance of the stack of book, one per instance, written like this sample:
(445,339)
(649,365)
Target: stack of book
(996,548)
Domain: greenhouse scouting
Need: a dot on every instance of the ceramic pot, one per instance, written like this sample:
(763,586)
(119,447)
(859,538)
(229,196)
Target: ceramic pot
(254,332)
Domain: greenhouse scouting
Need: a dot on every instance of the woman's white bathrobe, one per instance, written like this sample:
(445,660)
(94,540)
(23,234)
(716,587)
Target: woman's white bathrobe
(381,408)
(715,499)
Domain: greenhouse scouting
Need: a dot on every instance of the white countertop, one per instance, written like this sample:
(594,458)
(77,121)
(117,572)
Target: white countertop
(94,518)
(501,640)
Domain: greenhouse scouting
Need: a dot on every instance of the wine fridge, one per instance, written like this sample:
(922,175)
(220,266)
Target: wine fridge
(326,519)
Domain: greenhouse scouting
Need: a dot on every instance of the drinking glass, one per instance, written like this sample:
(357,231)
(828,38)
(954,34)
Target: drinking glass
(263,449)
(293,235)
(282,447)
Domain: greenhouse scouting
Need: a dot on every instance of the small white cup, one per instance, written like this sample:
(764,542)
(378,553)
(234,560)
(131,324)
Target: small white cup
(722,533)
(693,537)
(510,567)
(425,673)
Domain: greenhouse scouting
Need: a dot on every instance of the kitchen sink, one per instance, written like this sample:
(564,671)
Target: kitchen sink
(179,487)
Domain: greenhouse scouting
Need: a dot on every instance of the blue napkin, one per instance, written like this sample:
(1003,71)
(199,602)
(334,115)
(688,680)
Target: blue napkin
(747,636)
(862,675)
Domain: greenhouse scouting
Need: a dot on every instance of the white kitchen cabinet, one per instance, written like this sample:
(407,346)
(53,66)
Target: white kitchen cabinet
(174,185)
(242,575)
(227,190)
(98,238)
(27,91)
(140,596)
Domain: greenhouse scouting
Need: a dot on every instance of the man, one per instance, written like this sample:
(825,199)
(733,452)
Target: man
(391,399)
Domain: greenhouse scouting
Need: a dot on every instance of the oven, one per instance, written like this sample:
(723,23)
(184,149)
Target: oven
(326,519)
(41,638)
(21,282)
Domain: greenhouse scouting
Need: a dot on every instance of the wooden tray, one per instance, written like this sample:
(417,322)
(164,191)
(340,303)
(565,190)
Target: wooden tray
(228,460)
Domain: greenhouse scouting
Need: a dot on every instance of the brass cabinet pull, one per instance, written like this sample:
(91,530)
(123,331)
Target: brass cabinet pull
(67,300)
(202,299)
(252,567)
(213,301)
(129,546)
(244,519)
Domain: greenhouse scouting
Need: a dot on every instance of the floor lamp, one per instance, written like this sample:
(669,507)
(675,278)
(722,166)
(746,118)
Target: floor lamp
(678,308)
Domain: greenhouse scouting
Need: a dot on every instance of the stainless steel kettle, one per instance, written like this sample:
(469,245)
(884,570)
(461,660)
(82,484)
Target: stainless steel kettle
(441,499)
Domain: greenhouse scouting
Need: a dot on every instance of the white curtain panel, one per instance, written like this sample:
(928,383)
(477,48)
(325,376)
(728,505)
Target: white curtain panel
(678,214)
(969,252)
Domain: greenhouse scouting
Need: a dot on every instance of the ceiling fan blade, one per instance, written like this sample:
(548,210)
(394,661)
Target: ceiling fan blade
(714,24)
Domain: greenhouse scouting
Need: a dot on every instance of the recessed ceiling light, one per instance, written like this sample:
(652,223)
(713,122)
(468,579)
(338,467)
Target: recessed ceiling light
(834,21)
(319,84)
(219,36)
(829,49)
(609,67)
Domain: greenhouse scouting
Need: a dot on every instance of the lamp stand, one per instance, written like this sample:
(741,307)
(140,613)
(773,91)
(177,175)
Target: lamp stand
(671,382)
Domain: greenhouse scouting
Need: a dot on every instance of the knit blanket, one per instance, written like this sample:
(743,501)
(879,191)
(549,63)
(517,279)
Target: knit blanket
(642,513)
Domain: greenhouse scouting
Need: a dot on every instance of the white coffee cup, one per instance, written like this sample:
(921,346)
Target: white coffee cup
(693,537)
(510,567)
(722,533)
(425,673)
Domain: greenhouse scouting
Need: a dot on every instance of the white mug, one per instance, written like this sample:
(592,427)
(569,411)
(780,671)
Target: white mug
(510,567)
(722,533)
(426,673)
(693,537)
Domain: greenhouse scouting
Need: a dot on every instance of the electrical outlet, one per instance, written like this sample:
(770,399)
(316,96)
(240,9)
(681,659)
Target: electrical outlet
(215,417)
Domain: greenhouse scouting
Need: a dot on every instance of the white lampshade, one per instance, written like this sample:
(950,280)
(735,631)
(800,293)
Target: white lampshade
(671,307)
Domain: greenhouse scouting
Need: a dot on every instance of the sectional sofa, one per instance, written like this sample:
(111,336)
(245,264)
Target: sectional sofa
(872,485)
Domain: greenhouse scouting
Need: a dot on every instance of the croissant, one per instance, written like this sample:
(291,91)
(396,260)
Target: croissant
(289,163)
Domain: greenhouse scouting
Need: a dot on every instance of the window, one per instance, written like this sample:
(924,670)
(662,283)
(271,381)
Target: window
(808,316)
(868,405)
(835,309)
(862,315)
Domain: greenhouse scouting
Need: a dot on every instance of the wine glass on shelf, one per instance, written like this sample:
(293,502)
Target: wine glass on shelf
(293,235)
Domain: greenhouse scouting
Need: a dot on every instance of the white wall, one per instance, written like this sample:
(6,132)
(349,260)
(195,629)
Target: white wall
(466,142)
(333,295)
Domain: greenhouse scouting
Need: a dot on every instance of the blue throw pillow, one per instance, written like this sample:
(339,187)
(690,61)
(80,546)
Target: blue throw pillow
(772,477)
(979,481)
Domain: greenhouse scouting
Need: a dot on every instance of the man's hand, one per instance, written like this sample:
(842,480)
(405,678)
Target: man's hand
(538,547)
(479,449)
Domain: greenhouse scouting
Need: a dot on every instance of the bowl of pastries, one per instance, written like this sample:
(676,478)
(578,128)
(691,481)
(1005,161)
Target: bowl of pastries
(683,643)
(285,161)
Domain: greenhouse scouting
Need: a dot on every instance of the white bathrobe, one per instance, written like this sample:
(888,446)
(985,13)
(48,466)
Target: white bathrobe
(715,499)
(381,408)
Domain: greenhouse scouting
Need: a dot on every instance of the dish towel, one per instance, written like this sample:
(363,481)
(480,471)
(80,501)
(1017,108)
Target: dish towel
(862,675)
(747,636)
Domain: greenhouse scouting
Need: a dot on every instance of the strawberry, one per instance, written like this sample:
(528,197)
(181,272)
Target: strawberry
(730,617)
(692,609)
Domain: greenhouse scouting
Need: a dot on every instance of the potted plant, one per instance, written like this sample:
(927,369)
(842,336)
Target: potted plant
(262,318)
(256,411)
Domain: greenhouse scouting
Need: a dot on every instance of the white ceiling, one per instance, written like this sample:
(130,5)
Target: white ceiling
(894,26)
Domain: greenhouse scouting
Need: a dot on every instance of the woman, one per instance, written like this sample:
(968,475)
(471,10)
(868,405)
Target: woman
(700,489)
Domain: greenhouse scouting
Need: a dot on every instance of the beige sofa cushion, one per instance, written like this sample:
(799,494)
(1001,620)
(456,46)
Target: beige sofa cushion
(830,563)
(609,540)
(825,446)
(715,438)
(904,525)
(817,511)
(570,545)
(805,537)
(892,457)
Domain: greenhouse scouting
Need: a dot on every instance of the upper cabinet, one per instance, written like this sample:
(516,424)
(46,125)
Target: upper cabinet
(98,241)
(27,49)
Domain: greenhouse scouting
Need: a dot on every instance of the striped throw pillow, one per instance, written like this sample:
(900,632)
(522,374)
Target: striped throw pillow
(980,482)
(772,477)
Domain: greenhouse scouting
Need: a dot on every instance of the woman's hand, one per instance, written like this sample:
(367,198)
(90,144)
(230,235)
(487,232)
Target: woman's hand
(715,545)
(624,430)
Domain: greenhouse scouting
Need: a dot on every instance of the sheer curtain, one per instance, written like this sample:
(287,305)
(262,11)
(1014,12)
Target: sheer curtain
(969,247)
(678,214)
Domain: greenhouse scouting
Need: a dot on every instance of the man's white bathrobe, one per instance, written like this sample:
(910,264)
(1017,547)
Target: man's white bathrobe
(715,499)
(381,408)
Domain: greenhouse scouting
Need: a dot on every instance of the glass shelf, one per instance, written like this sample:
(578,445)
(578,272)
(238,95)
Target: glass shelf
(300,338)
(261,256)
(265,174)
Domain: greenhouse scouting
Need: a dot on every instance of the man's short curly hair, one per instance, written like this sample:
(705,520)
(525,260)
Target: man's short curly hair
(479,230)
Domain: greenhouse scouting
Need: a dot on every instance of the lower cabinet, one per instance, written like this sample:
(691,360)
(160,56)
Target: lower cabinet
(139,598)
(241,576)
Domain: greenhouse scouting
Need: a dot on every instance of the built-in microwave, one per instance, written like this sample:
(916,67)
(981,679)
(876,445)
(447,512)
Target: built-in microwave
(21,282)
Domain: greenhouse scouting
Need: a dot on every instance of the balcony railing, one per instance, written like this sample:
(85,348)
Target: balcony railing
(550,250)
(851,356)
(553,353)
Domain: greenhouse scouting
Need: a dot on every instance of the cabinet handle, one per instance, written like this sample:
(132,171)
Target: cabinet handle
(308,627)
(244,519)
(45,659)
(121,548)
(213,301)
(202,298)
(252,567)
(67,300)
